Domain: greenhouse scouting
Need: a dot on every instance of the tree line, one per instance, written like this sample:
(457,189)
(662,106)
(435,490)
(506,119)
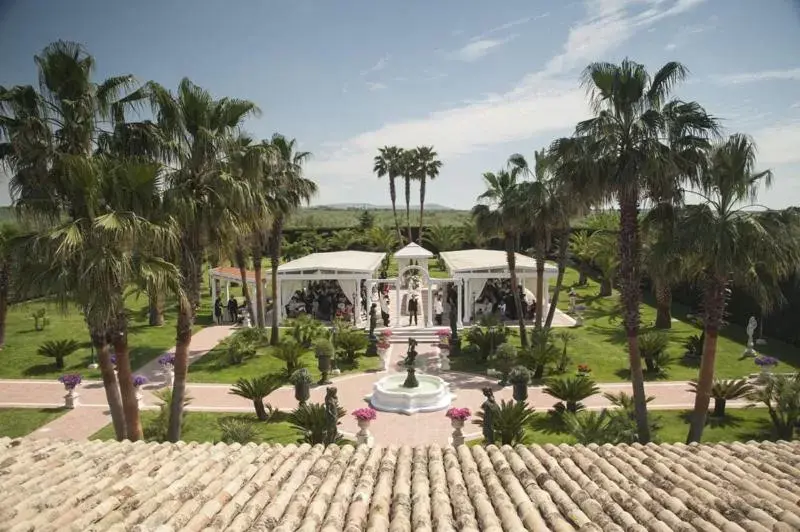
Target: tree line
(119,184)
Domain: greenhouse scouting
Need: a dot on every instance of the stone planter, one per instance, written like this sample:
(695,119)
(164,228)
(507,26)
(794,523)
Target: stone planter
(520,391)
(169,376)
(444,357)
(363,436)
(383,354)
(302,391)
(324,366)
(139,398)
(70,399)
(457,437)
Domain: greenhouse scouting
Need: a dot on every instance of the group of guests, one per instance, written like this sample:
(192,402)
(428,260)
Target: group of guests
(323,300)
(498,299)
(230,313)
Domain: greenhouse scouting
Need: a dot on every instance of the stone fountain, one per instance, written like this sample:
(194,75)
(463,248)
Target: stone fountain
(412,392)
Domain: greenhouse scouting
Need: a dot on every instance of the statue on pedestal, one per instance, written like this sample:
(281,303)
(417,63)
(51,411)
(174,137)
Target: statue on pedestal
(409,363)
(573,298)
(752,324)
(455,341)
(331,415)
(373,320)
(489,410)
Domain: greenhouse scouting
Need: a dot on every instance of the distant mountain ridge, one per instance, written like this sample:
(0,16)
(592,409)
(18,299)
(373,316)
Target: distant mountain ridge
(370,206)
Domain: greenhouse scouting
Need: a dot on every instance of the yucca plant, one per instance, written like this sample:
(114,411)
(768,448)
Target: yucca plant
(290,352)
(563,360)
(235,430)
(693,345)
(724,390)
(571,391)
(59,350)
(541,353)
(623,419)
(781,395)
(239,349)
(312,421)
(653,349)
(156,430)
(256,390)
(509,421)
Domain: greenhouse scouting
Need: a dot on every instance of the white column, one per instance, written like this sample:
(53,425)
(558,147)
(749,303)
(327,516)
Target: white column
(397,301)
(279,303)
(227,290)
(357,304)
(468,301)
(213,284)
(460,321)
(429,310)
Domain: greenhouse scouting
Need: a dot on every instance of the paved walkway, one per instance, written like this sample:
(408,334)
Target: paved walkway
(91,413)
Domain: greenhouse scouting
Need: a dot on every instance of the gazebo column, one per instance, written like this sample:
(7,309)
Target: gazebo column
(227,290)
(429,310)
(279,303)
(467,286)
(397,301)
(213,282)
(461,304)
(357,304)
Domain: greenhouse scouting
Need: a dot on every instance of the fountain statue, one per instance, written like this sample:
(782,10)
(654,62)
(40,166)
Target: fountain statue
(455,341)
(331,415)
(372,346)
(409,363)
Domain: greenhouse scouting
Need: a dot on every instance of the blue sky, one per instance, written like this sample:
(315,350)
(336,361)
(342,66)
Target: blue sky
(478,80)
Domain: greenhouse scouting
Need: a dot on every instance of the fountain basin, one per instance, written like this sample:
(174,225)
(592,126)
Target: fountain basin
(389,395)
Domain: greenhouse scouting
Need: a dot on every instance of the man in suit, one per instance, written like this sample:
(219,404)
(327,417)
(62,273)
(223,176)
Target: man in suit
(413,307)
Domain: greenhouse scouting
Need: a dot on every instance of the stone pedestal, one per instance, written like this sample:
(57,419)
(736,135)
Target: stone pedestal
(363,436)
(383,354)
(169,376)
(71,399)
(139,398)
(457,437)
(93,366)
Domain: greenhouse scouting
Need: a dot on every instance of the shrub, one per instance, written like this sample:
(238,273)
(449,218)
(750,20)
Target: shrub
(724,390)
(291,353)
(487,339)
(238,350)
(601,427)
(541,353)
(519,375)
(693,346)
(781,395)
(624,418)
(571,391)
(156,430)
(563,361)
(254,335)
(59,350)
(323,347)
(40,319)
(311,421)
(255,390)
(509,421)
(306,329)
(350,342)
(652,348)
(503,360)
(233,430)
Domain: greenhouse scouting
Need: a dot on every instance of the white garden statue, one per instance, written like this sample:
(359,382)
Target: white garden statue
(752,324)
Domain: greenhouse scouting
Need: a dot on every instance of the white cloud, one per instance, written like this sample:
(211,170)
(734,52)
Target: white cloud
(477,49)
(670,46)
(547,102)
(508,26)
(375,86)
(379,65)
(764,75)
(778,144)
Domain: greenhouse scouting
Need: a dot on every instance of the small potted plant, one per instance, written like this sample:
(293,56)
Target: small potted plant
(138,382)
(519,377)
(302,385)
(70,382)
(364,416)
(444,338)
(167,363)
(458,416)
(323,349)
(766,363)
(583,370)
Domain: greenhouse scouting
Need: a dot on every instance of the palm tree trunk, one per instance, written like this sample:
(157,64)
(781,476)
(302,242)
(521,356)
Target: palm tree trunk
(261,412)
(563,249)
(583,277)
(155,307)
(408,207)
(630,278)
(259,287)
(719,406)
(393,195)
(275,256)
(606,288)
(4,282)
(663,294)
(99,341)
(241,263)
(421,207)
(511,258)
(539,283)
(714,305)
(119,339)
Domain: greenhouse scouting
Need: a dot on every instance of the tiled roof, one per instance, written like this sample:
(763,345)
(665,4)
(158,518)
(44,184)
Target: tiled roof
(85,486)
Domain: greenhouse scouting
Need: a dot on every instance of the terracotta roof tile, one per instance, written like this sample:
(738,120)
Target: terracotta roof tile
(86,486)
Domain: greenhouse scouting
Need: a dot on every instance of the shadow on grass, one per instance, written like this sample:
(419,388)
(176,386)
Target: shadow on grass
(649,376)
(730,419)
(548,424)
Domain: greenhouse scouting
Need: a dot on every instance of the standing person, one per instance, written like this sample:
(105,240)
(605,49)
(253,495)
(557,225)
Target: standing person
(413,307)
(233,310)
(218,310)
(385,310)
(438,309)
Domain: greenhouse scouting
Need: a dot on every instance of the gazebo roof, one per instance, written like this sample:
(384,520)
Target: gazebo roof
(485,260)
(413,251)
(365,262)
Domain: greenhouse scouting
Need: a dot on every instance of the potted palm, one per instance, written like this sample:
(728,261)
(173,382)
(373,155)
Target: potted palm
(302,385)
(323,349)
(519,377)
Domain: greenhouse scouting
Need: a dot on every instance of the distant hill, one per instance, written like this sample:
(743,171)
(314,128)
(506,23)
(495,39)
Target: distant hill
(371,207)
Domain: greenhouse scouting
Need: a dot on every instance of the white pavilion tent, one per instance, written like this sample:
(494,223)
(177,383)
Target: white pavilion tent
(415,253)
(474,267)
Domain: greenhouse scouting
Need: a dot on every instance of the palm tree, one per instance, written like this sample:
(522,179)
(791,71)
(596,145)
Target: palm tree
(200,194)
(471,235)
(409,169)
(256,389)
(725,390)
(625,138)
(428,168)
(571,391)
(58,350)
(661,260)
(288,192)
(443,237)
(387,163)
(501,213)
(9,247)
(728,245)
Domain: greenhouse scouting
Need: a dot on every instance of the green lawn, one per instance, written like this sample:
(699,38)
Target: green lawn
(17,422)
(601,344)
(18,359)
(214,368)
(738,425)
(204,427)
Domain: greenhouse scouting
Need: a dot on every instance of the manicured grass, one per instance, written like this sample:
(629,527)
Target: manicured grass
(601,342)
(214,368)
(18,359)
(742,424)
(204,427)
(18,422)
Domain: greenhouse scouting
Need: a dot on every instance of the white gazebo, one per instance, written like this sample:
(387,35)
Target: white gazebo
(414,254)
(474,267)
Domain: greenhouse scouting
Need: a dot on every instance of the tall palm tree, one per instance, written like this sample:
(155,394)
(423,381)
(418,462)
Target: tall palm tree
(409,169)
(428,168)
(200,194)
(625,134)
(387,163)
(9,248)
(500,212)
(288,192)
(727,244)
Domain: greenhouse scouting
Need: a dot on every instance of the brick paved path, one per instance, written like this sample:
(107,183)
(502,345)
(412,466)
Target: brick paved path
(389,428)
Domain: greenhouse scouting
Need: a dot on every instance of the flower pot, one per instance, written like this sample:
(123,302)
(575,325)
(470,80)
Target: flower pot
(457,437)
(363,436)
(520,391)
(139,398)
(302,391)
